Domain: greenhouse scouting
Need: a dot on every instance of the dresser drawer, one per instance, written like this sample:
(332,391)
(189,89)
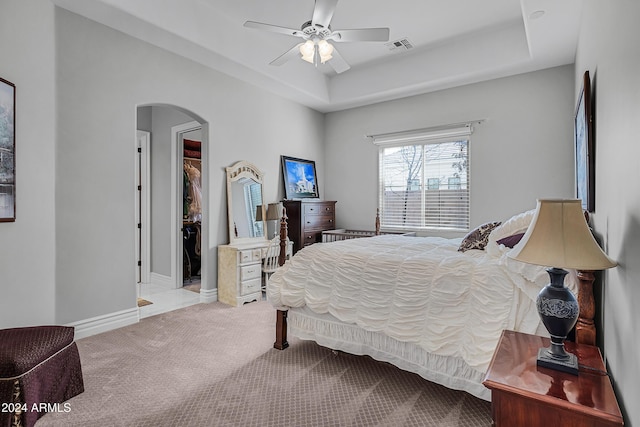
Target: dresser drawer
(319,208)
(249,255)
(312,237)
(250,286)
(252,271)
(319,222)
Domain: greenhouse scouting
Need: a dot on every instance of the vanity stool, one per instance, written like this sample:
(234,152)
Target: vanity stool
(39,369)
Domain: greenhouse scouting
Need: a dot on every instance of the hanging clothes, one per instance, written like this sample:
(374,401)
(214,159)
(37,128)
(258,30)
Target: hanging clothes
(186,199)
(195,192)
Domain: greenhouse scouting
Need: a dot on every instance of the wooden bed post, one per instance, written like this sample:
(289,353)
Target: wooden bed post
(377,221)
(586,328)
(281,315)
(282,256)
(281,330)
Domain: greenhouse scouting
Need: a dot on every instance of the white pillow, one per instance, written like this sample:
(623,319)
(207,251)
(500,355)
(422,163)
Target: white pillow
(516,224)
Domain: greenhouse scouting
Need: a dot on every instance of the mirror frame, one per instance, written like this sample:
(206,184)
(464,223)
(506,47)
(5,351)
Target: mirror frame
(235,172)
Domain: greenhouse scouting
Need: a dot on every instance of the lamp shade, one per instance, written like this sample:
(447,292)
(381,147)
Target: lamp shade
(259,213)
(560,237)
(274,211)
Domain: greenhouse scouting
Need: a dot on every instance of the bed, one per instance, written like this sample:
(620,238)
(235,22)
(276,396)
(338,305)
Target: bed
(416,302)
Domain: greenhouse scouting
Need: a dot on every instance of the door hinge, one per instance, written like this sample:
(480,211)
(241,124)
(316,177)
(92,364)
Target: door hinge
(139,263)
(139,187)
(139,225)
(139,149)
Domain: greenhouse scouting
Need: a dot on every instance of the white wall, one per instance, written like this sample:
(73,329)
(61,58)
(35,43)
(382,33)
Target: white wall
(522,151)
(608,49)
(27,255)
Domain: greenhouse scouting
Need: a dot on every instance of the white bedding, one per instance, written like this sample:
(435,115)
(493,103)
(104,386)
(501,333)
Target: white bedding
(416,290)
(419,290)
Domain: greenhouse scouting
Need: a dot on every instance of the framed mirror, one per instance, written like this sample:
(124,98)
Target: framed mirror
(245,204)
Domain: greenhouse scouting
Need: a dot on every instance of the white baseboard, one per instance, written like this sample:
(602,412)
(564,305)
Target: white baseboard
(162,280)
(208,295)
(96,325)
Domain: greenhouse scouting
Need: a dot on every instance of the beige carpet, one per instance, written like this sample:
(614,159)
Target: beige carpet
(214,365)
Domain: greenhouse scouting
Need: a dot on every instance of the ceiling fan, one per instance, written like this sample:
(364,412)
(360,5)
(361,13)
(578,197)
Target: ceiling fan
(317,33)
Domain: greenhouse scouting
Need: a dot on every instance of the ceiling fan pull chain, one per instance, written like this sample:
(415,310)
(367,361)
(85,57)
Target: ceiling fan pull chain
(316,55)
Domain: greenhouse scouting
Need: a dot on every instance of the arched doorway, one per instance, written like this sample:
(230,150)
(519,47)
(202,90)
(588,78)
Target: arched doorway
(161,231)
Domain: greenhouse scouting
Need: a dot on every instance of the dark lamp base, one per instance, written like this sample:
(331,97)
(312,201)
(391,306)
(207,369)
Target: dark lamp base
(547,359)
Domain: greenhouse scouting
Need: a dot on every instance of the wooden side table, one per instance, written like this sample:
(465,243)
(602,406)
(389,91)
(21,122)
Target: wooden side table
(523,394)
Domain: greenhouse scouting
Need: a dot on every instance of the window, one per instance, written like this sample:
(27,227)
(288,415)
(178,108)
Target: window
(424,184)
(455,183)
(433,183)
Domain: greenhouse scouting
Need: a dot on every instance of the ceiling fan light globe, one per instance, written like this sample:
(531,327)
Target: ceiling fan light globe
(325,48)
(307,50)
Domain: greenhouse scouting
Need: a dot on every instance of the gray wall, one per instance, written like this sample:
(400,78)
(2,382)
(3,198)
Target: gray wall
(27,246)
(522,151)
(71,256)
(608,49)
(112,73)
(162,120)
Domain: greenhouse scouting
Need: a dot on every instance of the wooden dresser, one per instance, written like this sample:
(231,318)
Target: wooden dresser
(523,394)
(307,219)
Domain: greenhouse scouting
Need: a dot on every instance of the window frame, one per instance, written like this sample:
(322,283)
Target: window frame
(423,138)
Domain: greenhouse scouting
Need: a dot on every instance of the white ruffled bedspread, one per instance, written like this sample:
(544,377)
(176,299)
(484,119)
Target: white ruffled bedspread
(419,290)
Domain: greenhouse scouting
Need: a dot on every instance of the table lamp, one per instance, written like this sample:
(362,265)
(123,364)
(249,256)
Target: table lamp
(259,213)
(274,213)
(559,238)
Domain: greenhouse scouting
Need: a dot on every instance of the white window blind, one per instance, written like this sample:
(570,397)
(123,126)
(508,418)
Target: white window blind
(424,179)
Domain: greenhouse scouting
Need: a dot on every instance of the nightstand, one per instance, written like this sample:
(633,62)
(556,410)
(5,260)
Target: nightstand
(523,394)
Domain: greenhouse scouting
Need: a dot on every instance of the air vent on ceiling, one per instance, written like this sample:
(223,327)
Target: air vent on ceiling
(400,44)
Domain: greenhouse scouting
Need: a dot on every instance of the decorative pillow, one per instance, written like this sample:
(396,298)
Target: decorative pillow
(478,238)
(510,241)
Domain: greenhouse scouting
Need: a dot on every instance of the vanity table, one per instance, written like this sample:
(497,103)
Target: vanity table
(240,261)
(240,272)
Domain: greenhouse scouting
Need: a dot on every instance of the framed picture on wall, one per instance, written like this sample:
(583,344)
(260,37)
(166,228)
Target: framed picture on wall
(300,180)
(585,161)
(7,151)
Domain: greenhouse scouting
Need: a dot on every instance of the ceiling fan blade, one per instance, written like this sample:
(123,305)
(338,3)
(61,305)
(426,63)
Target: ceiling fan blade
(361,35)
(338,63)
(290,54)
(323,12)
(273,28)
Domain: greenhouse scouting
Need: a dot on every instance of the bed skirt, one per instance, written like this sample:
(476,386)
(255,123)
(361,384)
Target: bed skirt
(330,332)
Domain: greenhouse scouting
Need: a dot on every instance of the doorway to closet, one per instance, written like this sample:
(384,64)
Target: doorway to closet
(191,141)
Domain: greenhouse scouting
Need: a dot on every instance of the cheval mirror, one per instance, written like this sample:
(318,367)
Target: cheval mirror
(245,203)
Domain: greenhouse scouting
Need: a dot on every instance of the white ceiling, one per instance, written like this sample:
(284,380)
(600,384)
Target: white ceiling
(455,42)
